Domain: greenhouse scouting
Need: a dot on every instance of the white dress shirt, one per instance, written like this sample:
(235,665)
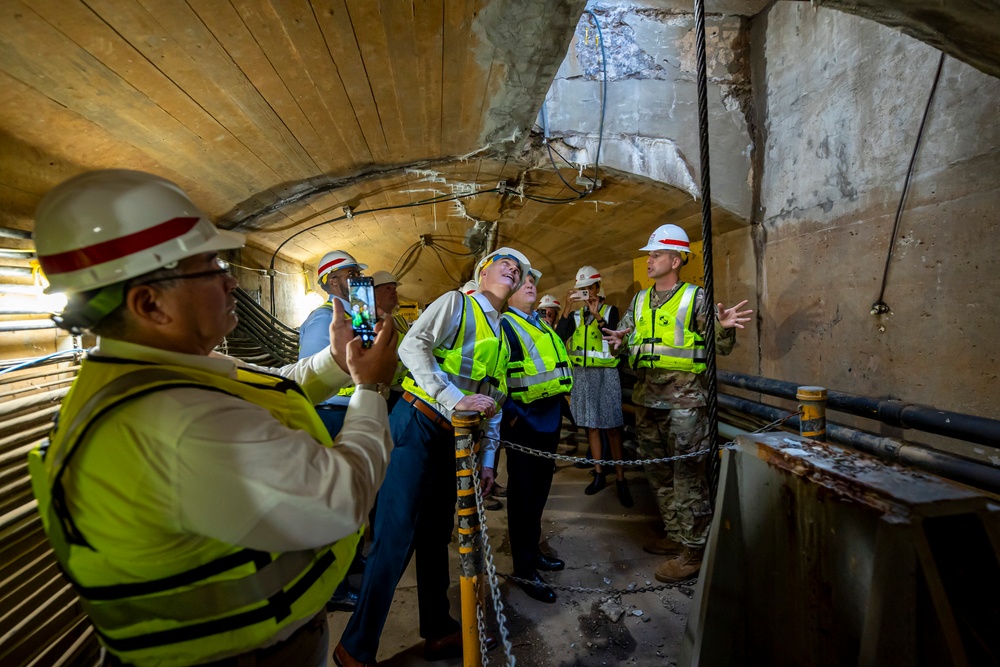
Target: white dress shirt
(225,468)
(436,327)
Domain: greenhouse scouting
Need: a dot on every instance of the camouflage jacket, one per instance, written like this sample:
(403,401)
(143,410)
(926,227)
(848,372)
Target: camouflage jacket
(669,390)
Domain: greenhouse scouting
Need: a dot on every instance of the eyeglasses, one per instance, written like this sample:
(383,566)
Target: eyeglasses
(222,270)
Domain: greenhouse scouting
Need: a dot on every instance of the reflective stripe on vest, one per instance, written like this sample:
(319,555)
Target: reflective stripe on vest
(539,365)
(587,346)
(166,612)
(476,360)
(678,347)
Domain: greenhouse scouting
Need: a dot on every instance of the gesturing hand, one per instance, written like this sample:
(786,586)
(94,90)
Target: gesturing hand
(733,317)
(615,338)
(478,403)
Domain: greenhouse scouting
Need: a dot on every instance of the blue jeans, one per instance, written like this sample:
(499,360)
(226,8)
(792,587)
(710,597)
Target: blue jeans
(416,514)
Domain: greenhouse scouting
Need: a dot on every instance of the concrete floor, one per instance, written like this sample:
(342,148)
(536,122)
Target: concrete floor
(599,540)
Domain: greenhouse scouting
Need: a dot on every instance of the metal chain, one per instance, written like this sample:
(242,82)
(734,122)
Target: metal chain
(484,659)
(638,462)
(616,462)
(604,591)
(491,570)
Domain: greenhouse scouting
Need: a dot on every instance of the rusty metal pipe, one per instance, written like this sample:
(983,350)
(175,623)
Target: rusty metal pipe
(888,449)
(970,428)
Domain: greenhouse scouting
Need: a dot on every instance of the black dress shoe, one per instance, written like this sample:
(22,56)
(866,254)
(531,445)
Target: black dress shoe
(343,601)
(548,563)
(621,486)
(538,589)
(450,647)
(595,486)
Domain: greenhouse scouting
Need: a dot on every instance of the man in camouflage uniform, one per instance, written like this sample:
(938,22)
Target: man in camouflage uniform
(667,351)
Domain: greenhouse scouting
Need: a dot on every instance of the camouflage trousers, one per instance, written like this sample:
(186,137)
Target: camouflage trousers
(680,487)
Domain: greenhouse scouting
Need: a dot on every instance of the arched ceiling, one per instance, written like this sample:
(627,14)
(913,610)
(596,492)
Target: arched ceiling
(275,114)
(557,237)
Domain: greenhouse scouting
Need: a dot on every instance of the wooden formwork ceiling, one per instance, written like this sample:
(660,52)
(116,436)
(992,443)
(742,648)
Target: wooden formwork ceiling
(542,217)
(275,114)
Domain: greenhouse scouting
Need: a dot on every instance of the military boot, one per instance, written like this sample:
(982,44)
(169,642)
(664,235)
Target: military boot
(681,567)
(662,546)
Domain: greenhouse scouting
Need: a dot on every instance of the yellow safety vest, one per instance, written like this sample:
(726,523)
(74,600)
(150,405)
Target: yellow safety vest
(476,359)
(195,598)
(538,366)
(587,346)
(663,337)
(402,327)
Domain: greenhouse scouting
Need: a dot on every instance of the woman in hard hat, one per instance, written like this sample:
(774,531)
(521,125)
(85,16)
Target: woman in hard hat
(596,399)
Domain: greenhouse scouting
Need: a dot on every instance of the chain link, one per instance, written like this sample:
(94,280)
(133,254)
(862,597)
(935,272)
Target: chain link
(617,462)
(492,577)
(637,462)
(491,571)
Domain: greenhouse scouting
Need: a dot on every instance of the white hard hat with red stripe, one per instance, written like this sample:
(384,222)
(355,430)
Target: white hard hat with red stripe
(549,301)
(587,276)
(104,227)
(668,237)
(337,259)
(470,287)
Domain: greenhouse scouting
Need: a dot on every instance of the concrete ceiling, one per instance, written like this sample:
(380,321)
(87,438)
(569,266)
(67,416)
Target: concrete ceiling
(275,114)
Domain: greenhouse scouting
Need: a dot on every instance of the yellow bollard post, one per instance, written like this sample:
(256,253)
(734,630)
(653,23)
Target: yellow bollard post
(812,423)
(466,425)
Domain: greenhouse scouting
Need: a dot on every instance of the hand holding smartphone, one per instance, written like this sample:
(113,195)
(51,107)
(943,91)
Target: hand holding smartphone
(363,314)
(580,295)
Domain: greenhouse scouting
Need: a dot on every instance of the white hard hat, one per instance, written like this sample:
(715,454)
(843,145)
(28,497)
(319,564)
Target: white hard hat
(505,253)
(104,227)
(668,237)
(549,301)
(384,278)
(337,259)
(470,287)
(536,273)
(587,276)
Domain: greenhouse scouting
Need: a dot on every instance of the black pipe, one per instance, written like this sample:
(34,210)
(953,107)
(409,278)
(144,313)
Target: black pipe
(980,430)
(951,467)
(10,233)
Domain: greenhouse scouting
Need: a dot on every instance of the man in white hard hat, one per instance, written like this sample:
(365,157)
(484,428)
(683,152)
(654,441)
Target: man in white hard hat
(667,350)
(538,377)
(548,309)
(332,273)
(456,361)
(195,502)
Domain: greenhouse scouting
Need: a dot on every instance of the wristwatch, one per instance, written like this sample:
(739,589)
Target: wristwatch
(382,389)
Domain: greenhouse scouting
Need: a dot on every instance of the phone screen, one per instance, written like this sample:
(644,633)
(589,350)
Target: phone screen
(363,313)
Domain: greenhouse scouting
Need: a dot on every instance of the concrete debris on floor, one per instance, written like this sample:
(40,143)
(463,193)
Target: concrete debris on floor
(601,542)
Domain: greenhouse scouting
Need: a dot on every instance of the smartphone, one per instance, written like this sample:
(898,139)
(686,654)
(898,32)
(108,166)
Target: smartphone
(363,313)
(580,295)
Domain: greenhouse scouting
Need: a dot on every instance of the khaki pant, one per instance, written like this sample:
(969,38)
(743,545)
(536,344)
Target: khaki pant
(680,487)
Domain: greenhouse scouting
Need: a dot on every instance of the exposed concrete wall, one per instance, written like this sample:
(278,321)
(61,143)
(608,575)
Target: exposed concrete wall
(844,97)
(650,125)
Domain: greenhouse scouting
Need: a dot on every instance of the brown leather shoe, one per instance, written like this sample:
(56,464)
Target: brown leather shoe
(450,646)
(343,659)
(662,546)
(681,567)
